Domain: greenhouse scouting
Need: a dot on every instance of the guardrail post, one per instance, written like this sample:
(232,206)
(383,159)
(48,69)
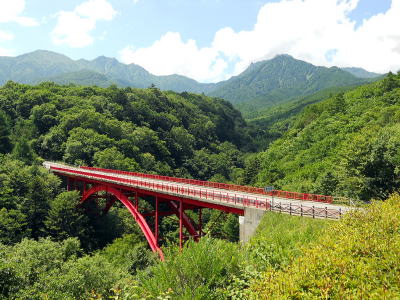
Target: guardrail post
(340,213)
(301,209)
(313,212)
(326,212)
(290,208)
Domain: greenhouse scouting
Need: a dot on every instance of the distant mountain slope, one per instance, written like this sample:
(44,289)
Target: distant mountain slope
(41,65)
(261,85)
(81,77)
(361,73)
(30,67)
(279,80)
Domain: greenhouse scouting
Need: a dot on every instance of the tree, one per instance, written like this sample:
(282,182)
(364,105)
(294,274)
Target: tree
(44,116)
(5,145)
(111,158)
(13,226)
(65,219)
(23,151)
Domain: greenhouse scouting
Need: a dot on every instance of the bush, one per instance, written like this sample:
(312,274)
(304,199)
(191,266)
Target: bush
(357,258)
(198,272)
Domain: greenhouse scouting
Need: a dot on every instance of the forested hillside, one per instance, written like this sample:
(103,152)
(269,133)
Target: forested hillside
(49,247)
(346,145)
(134,129)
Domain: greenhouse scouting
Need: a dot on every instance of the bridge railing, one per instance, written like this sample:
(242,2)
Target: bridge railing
(267,204)
(225,186)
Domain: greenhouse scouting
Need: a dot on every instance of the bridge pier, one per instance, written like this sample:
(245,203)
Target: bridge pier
(249,223)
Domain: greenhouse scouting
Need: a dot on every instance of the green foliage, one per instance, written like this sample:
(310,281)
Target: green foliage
(129,129)
(198,272)
(356,258)
(279,238)
(80,279)
(65,219)
(13,226)
(5,144)
(346,145)
(25,193)
(130,253)
(23,151)
(111,158)
(48,270)
(29,260)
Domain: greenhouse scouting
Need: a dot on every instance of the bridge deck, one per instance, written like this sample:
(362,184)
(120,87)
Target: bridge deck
(234,199)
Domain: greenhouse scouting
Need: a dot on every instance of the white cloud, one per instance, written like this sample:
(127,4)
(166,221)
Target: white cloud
(6,36)
(135,1)
(317,31)
(172,55)
(6,52)
(11,10)
(74,28)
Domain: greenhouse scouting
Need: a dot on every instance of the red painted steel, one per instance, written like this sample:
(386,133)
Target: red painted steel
(132,209)
(181,198)
(182,191)
(225,186)
(187,222)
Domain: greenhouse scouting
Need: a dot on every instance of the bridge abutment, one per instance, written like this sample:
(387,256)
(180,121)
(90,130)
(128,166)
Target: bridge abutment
(249,223)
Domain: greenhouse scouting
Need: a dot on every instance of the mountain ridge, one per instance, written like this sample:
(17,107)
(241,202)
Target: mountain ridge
(262,84)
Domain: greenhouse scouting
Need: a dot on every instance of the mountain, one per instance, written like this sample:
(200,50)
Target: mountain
(41,65)
(261,85)
(361,73)
(29,67)
(279,80)
(81,77)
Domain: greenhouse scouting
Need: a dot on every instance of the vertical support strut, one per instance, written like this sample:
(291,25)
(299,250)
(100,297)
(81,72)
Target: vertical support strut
(156,222)
(68,184)
(180,224)
(136,201)
(200,223)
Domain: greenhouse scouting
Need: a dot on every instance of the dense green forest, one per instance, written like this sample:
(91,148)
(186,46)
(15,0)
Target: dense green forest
(347,145)
(338,142)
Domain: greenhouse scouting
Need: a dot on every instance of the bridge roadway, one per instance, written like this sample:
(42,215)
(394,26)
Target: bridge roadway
(234,201)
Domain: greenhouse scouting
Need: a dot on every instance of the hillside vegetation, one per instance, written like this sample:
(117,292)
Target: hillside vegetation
(356,258)
(347,145)
(132,129)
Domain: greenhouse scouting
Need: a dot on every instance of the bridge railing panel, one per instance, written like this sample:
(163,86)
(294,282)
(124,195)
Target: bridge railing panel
(267,204)
(225,186)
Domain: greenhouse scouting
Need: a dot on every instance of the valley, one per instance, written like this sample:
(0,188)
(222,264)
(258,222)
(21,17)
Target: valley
(309,130)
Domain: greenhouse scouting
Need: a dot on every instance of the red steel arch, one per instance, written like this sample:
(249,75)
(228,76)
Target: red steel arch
(132,209)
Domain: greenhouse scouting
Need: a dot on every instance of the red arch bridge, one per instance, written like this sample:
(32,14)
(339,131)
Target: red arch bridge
(181,195)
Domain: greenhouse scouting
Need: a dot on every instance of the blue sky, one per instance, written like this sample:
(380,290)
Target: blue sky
(207,40)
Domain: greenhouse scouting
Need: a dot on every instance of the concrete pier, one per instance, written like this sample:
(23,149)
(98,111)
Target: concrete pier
(249,223)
